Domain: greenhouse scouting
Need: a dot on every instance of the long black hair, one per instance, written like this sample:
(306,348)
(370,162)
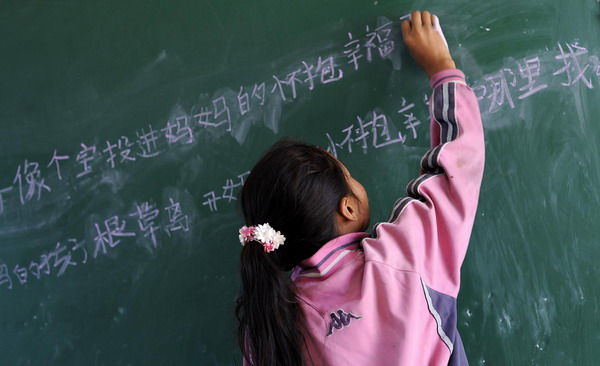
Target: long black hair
(296,188)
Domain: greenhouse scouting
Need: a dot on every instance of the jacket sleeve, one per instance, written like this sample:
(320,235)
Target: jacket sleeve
(428,231)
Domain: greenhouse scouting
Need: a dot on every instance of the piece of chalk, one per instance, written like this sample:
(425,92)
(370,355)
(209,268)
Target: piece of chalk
(438,28)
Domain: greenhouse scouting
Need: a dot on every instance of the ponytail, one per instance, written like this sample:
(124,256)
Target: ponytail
(296,189)
(268,311)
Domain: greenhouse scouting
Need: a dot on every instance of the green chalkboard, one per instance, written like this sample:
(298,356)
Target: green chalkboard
(128,127)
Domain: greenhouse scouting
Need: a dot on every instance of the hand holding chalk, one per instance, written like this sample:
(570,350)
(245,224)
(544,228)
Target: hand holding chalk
(426,42)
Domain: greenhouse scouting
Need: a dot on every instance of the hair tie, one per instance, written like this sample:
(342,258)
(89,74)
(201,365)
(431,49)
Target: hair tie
(264,234)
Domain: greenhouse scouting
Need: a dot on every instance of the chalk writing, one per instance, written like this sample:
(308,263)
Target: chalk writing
(147,142)
(60,258)
(327,69)
(109,233)
(34,182)
(122,147)
(568,64)
(380,40)
(571,65)
(229,192)
(179,130)
(243,101)
(56,160)
(84,157)
(595,63)
(5,279)
(211,200)
(290,80)
(222,111)
(21,274)
(146,214)
(221,115)
(41,267)
(529,70)
(258,92)
(177,220)
(353,51)
(2,191)
(376,131)
(500,88)
(410,122)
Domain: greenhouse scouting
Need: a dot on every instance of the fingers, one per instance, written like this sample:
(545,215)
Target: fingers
(422,19)
(415,19)
(419,20)
(426,18)
(405,28)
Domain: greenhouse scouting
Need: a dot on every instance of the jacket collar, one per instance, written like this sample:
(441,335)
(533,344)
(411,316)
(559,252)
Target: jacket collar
(327,259)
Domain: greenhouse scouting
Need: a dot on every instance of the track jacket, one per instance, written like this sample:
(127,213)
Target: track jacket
(390,298)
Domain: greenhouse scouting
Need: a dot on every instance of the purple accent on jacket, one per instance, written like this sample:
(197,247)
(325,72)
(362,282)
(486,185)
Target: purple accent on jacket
(445,306)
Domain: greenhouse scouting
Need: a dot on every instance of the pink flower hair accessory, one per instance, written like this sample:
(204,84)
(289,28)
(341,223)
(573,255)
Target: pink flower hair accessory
(264,234)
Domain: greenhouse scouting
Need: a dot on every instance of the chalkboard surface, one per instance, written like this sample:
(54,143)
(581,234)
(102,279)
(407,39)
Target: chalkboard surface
(128,127)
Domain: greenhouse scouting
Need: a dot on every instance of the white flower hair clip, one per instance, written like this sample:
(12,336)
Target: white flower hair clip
(264,234)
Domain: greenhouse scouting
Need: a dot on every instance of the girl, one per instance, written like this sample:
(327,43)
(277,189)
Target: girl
(354,298)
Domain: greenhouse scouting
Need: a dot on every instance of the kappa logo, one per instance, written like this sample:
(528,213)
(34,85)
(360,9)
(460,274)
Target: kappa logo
(340,319)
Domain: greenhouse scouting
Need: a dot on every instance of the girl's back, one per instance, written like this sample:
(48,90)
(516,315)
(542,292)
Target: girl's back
(387,298)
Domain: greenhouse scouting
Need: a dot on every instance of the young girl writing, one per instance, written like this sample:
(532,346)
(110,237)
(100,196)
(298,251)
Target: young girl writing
(386,298)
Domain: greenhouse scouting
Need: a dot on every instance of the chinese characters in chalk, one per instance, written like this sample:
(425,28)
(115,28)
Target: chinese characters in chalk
(109,234)
(30,182)
(377,130)
(570,65)
(228,192)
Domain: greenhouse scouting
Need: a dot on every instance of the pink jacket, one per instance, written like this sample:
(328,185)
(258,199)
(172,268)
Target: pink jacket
(390,298)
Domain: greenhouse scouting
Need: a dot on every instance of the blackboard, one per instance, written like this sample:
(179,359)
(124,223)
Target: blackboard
(127,129)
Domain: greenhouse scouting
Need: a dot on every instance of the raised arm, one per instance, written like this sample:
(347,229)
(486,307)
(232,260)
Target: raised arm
(428,231)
